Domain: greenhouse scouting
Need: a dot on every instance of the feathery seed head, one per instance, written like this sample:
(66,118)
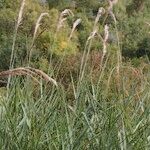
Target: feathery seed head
(99,14)
(75,24)
(92,35)
(63,17)
(20,13)
(106,35)
(38,23)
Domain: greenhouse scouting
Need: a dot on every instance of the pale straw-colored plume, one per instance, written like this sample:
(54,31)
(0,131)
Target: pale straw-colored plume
(114,1)
(99,14)
(20,13)
(88,44)
(101,11)
(147,23)
(63,17)
(38,23)
(75,24)
(111,4)
(66,12)
(110,9)
(12,57)
(106,36)
(16,30)
(35,74)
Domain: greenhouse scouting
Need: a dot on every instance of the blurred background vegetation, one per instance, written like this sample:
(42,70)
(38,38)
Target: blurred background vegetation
(132,23)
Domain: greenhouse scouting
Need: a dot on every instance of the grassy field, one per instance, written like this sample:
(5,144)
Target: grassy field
(98,114)
(102,108)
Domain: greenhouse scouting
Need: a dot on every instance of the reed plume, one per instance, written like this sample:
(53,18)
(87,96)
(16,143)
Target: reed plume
(110,9)
(35,32)
(89,42)
(106,36)
(63,17)
(99,14)
(12,57)
(75,24)
(15,34)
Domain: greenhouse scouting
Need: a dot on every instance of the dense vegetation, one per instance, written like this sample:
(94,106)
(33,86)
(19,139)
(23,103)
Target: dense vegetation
(97,51)
(132,18)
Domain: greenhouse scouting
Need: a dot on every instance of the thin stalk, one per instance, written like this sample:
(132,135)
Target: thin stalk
(12,58)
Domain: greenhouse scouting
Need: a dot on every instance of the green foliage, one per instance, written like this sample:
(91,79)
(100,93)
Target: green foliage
(132,28)
(40,116)
(97,104)
(5,51)
(133,35)
(143,48)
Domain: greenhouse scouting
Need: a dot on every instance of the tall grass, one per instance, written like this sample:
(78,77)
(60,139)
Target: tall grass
(18,22)
(42,117)
(98,115)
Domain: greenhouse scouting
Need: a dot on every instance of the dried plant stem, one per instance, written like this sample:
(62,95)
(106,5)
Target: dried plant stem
(84,61)
(110,11)
(102,71)
(43,75)
(122,134)
(86,54)
(15,33)
(35,33)
(119,56)
(12,59)
(89,42)
(106,35)
(28,71)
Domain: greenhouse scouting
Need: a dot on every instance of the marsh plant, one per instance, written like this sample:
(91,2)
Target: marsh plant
(87,100)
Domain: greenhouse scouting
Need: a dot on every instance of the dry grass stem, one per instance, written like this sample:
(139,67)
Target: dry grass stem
(43,75)
(89,41)
(12,57)
(15,34)
(32,72)
(38,24)
(101,11)
(35,32)
(110,9)
(93,34)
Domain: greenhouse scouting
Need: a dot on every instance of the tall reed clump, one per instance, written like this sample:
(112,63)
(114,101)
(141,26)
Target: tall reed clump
(96,117)
(119,55)
(89,121)
(25,71)
(88,43)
